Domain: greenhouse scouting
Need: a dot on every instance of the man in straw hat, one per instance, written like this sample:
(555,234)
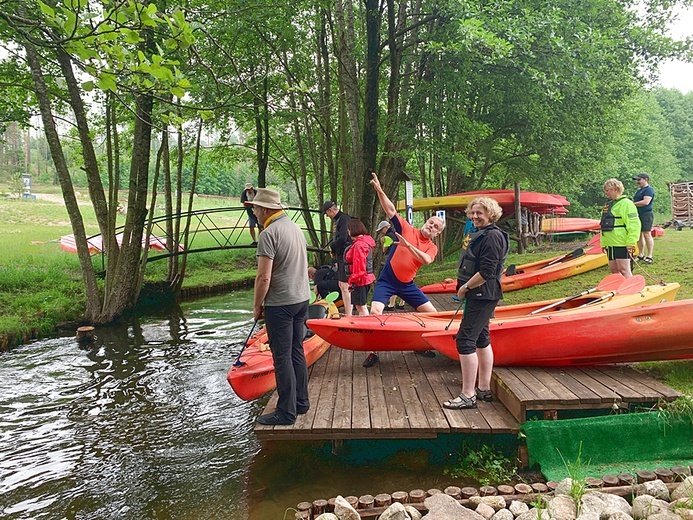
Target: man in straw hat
(246,198)
(281,295)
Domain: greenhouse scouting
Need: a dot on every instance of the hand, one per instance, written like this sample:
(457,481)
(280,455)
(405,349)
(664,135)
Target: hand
(352,287)
(401,240)
(631,250)
(375,182)
(462,292)
(257,312)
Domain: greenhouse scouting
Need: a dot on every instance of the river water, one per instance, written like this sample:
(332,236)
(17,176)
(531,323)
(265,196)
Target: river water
(142,424)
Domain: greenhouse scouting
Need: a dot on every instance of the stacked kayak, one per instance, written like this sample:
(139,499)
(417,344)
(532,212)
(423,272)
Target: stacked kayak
(405,331)
(655,332)
(539,272)
(253,373)
(568,224)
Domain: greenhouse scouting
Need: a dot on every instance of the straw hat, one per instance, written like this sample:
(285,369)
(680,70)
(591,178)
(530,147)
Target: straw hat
(267,199)
(248,186)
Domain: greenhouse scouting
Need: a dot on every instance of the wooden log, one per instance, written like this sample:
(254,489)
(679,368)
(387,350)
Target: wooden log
(504,489)
(400,496)
(353,501)
(304,507)
(383,500)
(468,492)
(540,487)
(366,502)
(625,479)
(488,491)
(330,504)
(664,474)
(85,334)
(645,476)
(319,506)
(417,496)
(594,482)
(523,489)
(454,492)
(552,485)
(433,491)
(681,473)
(610,480)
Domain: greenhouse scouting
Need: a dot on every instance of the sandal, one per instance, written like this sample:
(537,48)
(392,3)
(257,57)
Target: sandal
(461,402)
(484,395)
(640,258)
(648,260)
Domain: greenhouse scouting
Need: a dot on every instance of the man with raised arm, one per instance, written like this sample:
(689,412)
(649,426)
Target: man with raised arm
(414,248)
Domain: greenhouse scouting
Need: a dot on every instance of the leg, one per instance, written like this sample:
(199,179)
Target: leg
(298,358)
(485,356)
(641,246)
(470,367)
(252,233)
(280,329)
(377,308)
(622,265)
(346,297)
(362,310)
(649,243)
(426,307)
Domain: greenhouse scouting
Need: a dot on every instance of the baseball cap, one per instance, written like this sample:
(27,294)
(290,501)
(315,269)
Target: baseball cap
(327,205)
(641,176)
(383,224)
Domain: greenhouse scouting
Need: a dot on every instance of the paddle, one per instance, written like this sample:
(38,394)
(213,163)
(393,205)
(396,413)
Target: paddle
(456,312)
(568,256)
(511,270)
(629,286)
(612,281)
(238,362)
(331,297)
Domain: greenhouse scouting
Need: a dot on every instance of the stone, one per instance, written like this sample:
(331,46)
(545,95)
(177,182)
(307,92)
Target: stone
(683,490)
(533,514)
(503,514)
(563,507)
(395,512)
(344,509)
(564,487)
(517,507)
(619,515)
(656,488)
(443,507)
(588,516)
(596,502)
(327,516)
(665,515)
(685,514)
(485,510)
(496,502)
(646,505)
(413,513)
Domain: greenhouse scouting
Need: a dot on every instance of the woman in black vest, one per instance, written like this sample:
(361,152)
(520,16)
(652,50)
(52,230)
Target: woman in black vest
(478,284)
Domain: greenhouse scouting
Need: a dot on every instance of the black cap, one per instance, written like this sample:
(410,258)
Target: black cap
(327,205)
(641,176)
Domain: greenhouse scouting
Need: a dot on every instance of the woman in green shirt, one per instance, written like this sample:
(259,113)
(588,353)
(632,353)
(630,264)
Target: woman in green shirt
(620,228)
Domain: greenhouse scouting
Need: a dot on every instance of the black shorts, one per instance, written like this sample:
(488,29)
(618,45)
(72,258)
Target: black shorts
(646,220)
(342,275)
(252,219)
(474,332)
(617,252)
(359,296)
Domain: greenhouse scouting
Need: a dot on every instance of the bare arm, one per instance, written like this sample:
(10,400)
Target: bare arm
(422,257)
(387,205)
(644,202)
(262,283)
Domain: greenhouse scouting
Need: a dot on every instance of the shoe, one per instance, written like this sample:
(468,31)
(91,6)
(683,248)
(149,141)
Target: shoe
(640,258)
(301,410)
(484,395)
(253,243)
(389,307)
(273,419)
(371,360)
(648,260)
(426,353)
(401,305)
(461,402)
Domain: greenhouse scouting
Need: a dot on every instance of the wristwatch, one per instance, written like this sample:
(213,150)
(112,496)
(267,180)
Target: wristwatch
(465,286)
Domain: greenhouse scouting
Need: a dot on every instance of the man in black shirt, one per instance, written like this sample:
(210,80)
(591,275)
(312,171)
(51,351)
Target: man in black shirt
(340,241)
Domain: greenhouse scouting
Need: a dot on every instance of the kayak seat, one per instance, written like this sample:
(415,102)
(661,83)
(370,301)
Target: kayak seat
(315,312)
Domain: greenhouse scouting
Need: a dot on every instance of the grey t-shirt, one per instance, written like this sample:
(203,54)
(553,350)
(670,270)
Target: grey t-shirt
(284,243)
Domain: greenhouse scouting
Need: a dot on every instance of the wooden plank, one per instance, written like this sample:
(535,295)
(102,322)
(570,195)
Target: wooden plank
(377,407)
(507,397)
(648,386)
(360,408)
(498,418)
(429,401)
(513,383)
(541,392)
(564,394)
(341,420)
(606,394)
(624,392)
(394,403)
(326,401)
(413,408)
(439,372)
(584,394)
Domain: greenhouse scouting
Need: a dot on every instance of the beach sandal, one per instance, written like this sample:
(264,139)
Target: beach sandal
(640,258)
(461,402)
(484,395)
(401,305)
(648,260)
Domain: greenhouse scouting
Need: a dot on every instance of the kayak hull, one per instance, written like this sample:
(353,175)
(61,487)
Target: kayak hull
(404,331)
(537,202)
(255,376)
(534,273)
(656,332)
(566,224)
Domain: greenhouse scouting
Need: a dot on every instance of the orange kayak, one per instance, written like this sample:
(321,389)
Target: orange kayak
(536,273)
(254,375)
(657,332)
(404,331)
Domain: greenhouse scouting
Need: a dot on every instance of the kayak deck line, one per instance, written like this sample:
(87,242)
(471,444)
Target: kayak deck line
(401,396)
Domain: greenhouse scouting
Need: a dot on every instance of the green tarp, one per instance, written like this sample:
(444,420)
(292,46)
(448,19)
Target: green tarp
(610,444)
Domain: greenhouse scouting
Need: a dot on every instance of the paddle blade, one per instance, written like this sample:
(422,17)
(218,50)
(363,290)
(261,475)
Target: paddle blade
(595,240)
(331,297)
(611,282)
(632,285)
(511,270)
(312,298)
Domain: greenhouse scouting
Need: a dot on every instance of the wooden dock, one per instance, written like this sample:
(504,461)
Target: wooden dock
(401,397)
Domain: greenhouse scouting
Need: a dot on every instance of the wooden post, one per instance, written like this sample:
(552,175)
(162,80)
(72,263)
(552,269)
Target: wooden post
(518,220)
(85,334)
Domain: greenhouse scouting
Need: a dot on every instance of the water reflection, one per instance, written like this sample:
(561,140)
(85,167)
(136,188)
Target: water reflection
(139,424)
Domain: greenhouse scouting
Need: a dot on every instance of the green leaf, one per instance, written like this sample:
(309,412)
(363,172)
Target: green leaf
(88,86)
(178,92)
(47,10)
(107,82)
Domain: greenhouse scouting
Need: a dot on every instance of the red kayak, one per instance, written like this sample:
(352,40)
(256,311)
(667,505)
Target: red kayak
(253,374)
(404,331)
(539,272)
(657,332)
(566,224)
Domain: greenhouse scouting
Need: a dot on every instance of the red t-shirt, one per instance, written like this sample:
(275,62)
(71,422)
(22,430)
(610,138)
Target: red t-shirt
(405,265)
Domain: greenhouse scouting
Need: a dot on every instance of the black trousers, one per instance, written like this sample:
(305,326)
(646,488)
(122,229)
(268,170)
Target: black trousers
(474,332)
(286,327)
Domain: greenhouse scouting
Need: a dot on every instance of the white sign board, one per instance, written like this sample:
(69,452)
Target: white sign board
(409,201)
